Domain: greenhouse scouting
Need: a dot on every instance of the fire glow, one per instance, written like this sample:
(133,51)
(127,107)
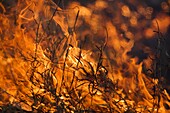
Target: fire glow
(75,59)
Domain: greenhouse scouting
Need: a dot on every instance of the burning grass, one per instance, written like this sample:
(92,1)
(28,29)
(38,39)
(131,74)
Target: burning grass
(48,66)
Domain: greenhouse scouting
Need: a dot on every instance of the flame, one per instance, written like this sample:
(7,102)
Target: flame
(74,59)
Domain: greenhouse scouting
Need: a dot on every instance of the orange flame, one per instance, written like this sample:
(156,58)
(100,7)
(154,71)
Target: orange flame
(52,58)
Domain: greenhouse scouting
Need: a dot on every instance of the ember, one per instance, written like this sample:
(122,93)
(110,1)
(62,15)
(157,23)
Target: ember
(95,56)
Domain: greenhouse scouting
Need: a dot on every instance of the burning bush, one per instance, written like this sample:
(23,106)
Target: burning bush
(82,58)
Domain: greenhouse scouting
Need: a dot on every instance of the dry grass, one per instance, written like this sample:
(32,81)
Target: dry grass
(81,83)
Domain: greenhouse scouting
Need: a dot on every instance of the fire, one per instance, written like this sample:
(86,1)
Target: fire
(77,59)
